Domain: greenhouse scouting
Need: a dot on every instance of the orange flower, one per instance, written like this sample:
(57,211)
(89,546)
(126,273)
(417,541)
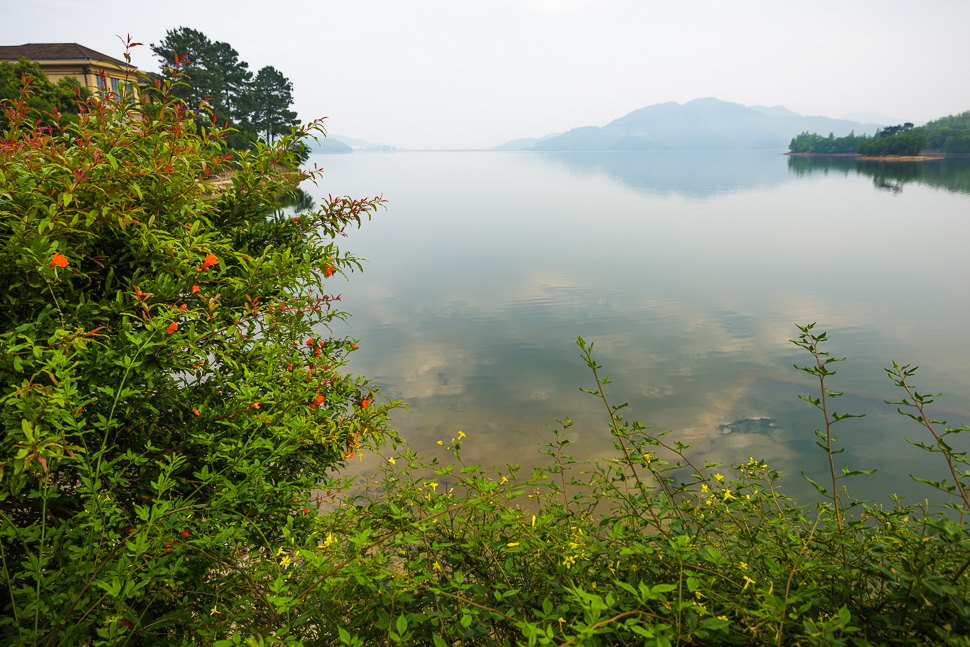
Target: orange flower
(365,402)
(328,269)
(195,288)
(172,327)
(317,402)
(59,260)
(210,260)
(182,307)
(196,412)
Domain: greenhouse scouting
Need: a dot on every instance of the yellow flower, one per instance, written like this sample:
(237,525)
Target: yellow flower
(461,434)
(436,566)
(511,544)
(285,561)
(441,442)
(719,477)
(722,618)
(704,487)
(728,496)
(215,609)
(391,460)
(747,581)
(743,565)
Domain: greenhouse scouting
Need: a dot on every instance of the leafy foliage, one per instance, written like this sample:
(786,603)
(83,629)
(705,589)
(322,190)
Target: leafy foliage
(170,394)
(216,76)
(173,411)
(831,145)
(901,140)
(50,102)
(648,547)
(219,87)
(271,95)
(948,134)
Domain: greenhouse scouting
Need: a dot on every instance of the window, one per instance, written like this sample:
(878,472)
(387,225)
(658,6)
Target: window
(115,85)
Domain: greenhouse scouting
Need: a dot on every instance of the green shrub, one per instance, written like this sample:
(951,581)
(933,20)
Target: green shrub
(648,548)
(169,406)
(170,393)
(49,102)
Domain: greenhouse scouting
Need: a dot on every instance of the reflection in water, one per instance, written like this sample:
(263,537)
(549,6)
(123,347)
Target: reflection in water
(748,426)
(948,174)
(696,174)
(297,200)
(488,265)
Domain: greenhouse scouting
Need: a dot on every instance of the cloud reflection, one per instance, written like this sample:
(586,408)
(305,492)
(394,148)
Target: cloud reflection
(469,311)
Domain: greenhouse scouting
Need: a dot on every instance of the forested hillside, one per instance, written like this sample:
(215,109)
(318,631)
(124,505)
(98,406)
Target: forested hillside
(950,135)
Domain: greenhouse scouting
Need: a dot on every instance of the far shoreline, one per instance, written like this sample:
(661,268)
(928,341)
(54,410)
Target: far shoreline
(871,158)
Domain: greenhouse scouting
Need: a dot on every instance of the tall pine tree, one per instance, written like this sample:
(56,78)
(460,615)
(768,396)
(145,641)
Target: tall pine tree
(271,95)
(219,87)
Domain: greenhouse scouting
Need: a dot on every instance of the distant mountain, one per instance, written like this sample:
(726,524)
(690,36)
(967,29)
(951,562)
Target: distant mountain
(523,144)
(775,111)
(702,124)
(329,145)
(362,145)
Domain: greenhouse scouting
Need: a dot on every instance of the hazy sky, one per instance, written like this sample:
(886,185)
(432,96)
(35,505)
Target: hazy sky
(457,74)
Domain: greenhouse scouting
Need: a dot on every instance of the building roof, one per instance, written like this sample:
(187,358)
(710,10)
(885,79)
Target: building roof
(56,51)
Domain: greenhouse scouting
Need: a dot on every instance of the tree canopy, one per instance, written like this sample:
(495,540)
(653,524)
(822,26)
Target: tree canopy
(50,102)
(220,88)
(948,134)
(831,145)
(271,95)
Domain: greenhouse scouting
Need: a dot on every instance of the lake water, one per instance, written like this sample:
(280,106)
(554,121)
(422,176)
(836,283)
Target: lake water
(688,272)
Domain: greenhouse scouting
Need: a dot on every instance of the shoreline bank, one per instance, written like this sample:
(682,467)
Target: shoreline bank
(872,158)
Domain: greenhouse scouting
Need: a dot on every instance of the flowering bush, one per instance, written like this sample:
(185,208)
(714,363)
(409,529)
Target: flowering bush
(648,547)
(164,422)
(171,399)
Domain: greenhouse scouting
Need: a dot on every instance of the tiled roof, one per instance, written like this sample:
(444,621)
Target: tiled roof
(56,51)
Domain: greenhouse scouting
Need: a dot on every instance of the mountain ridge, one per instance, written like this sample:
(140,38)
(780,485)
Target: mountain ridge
(701,124)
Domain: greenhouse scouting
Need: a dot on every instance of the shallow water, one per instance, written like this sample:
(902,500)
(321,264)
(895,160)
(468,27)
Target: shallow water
(687,271)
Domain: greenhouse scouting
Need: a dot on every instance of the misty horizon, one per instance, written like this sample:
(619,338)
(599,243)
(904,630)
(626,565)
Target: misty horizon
(435,74)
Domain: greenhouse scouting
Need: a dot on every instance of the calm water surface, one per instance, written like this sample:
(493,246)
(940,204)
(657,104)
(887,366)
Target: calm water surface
(687,271)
